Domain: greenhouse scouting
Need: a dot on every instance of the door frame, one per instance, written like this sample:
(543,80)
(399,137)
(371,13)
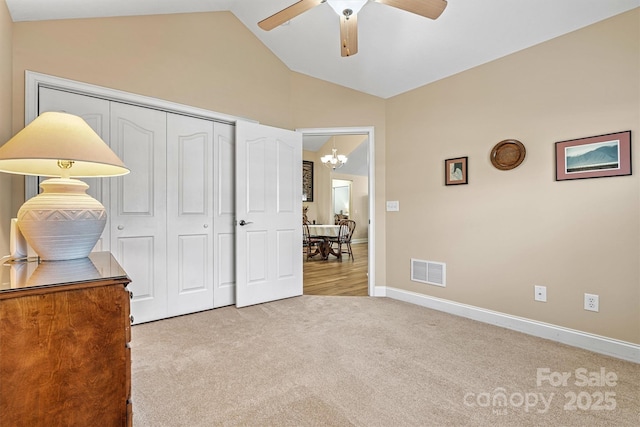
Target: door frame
(369,131)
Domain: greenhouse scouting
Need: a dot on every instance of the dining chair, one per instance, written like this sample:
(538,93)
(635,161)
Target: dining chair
(309,242)
(345,232)
(339,217)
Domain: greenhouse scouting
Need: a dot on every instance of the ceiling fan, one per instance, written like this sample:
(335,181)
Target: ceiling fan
(348,10)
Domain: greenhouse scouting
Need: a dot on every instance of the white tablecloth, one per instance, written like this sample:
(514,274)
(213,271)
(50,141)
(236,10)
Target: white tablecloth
(324,230)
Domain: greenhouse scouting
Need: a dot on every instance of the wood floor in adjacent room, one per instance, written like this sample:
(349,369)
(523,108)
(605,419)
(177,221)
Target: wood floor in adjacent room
(332,277)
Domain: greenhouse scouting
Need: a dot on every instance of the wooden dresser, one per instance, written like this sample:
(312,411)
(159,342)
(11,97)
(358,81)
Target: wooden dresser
(65,330)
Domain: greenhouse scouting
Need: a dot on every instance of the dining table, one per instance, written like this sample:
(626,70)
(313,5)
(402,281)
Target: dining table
(325,232)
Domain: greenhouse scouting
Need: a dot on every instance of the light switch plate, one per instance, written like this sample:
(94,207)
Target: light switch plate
(393,206)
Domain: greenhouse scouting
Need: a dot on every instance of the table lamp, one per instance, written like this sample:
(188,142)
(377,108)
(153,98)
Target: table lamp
(62,222)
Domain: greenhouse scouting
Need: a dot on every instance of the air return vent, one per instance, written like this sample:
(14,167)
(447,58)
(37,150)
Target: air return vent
(431,272)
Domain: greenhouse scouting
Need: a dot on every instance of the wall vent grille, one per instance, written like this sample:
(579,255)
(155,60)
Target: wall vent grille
(431,272)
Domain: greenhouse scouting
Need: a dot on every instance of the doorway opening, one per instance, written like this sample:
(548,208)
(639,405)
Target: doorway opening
(356,201)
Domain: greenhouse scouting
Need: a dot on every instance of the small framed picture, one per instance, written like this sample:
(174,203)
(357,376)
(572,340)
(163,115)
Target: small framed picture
(594,157)
(455,171)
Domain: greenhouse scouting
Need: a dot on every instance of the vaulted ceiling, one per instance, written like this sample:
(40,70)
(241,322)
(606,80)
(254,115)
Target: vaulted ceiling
(398,51)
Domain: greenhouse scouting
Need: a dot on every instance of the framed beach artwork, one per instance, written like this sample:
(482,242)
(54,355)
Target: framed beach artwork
(594,157)
(455,171)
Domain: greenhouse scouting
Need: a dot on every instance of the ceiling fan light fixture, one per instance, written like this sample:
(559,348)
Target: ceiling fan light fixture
(347,11)
(341,5)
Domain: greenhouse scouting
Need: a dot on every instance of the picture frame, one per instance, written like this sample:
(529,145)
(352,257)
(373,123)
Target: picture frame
(455,171)
(594,157)
(307,181)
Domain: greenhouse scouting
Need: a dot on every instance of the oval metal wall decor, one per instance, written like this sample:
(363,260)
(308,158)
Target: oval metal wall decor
(508,154)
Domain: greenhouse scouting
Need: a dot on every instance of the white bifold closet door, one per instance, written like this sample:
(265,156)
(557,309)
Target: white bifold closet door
(224,252)
(160,216)
(189,214)
(139,207)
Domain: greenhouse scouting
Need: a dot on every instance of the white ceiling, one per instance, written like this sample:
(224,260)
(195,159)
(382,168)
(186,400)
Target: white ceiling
(398,51)
(315,142)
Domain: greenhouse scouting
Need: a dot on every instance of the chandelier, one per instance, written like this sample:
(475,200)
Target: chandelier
(334,160)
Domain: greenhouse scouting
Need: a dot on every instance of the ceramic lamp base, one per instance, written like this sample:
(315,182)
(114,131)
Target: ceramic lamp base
(63,222)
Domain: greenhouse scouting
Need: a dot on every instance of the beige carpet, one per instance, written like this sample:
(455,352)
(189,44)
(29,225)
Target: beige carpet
(359,361)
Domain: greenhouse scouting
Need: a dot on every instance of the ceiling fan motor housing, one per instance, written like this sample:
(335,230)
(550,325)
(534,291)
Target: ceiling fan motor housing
(347,7)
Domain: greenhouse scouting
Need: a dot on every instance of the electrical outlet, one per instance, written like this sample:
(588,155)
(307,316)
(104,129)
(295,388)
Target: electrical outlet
(591,302)
(540,293)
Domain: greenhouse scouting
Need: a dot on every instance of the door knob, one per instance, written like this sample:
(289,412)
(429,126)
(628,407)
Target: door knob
(243,222)
(121,227)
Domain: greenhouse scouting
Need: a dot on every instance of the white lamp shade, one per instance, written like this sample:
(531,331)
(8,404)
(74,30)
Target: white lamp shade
(53,136)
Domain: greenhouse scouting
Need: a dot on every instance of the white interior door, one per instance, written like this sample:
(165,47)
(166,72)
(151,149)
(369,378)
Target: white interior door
(139,206)
(189,214)
(268,212)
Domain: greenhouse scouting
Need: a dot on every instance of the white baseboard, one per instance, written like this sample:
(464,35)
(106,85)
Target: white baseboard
(596,343)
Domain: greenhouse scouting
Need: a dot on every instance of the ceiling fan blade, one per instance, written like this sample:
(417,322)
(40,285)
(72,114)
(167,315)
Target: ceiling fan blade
(288,14)
(348,35)
(431,9)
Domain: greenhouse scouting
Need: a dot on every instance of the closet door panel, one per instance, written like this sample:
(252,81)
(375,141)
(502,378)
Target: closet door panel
(137,146)
(95,112)
(190,214)
(138,206)
(139,253)
(224,219)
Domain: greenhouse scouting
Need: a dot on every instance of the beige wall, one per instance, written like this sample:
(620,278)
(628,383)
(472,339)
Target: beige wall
(507,231)
(187,58)
(6,209)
